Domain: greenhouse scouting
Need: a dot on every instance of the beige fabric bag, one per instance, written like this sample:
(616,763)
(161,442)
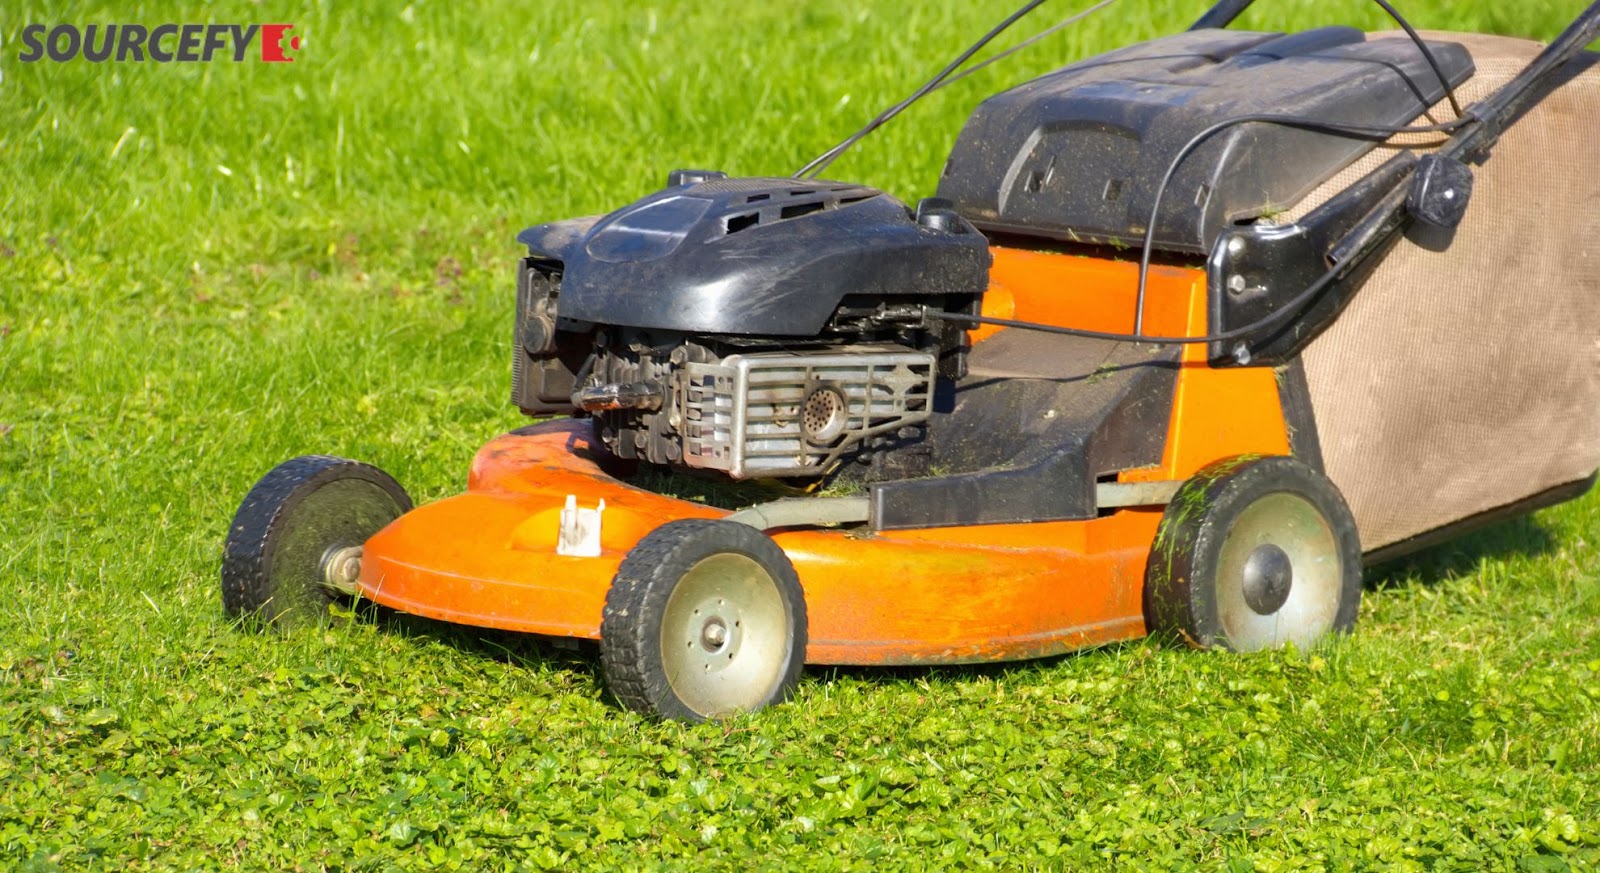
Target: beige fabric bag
(1464,380)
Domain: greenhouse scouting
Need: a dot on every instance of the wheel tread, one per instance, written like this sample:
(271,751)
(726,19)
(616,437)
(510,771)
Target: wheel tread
(246,588)
(1178,597)
(631,614)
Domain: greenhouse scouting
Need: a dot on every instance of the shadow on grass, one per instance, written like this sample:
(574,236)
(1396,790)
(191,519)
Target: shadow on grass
(581,658)
(529,651)
(995,670)
(1522,536)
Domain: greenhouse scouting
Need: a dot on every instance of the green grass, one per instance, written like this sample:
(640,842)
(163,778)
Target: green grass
(205,269)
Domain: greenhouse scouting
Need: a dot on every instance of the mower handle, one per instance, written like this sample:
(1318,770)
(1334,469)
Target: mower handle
(1535,82)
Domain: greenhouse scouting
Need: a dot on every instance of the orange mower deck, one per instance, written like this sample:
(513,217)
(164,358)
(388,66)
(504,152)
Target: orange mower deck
(935,595)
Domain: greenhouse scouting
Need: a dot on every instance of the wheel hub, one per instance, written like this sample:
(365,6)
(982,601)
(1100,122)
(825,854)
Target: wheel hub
(341,568)
(1278,574)
(1268,576)
(714,634)
(724,636)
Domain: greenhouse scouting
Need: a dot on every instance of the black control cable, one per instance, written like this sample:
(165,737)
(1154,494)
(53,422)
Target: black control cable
(821,162)
(1043,34)
(1378,133)
(1289,308)
(1359,131)
(1427,53)
(949,76)
(1223,14)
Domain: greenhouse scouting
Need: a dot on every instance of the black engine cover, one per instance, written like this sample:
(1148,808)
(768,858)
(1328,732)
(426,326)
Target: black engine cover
(1077,154)
(767,257)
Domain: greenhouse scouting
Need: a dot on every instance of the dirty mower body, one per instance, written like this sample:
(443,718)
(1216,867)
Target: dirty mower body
(1006,437)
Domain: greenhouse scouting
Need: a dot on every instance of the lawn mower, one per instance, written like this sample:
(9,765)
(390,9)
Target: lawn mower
(1191,332)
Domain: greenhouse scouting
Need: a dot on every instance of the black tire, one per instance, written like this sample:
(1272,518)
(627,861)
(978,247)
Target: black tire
(288,527)
(729,597)
(1254,553)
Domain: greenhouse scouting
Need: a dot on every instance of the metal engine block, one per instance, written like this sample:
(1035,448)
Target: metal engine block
(760,414)
(777,414)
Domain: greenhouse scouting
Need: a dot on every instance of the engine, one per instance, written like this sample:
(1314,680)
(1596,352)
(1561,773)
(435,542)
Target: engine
(753,327)
(756,413)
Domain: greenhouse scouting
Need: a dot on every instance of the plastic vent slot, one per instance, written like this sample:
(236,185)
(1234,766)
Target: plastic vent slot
(770,207)
(798,209)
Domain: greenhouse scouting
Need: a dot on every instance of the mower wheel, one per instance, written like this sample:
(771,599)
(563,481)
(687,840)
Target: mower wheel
(704,619)
(1254,553)
(295,544)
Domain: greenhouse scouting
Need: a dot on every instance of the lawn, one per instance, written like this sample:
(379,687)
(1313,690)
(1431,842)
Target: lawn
(208,268)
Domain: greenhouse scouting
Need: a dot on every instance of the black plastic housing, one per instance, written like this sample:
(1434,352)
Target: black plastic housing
(1038,420)
(546,353)
(756,257)
(1078,154)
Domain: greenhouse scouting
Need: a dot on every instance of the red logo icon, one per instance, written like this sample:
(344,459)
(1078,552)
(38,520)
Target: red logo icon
(276,43)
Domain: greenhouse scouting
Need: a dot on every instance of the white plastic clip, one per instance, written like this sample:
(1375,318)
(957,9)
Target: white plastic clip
(580,530)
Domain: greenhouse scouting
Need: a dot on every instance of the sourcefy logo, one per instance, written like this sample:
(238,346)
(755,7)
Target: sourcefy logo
(164,43)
